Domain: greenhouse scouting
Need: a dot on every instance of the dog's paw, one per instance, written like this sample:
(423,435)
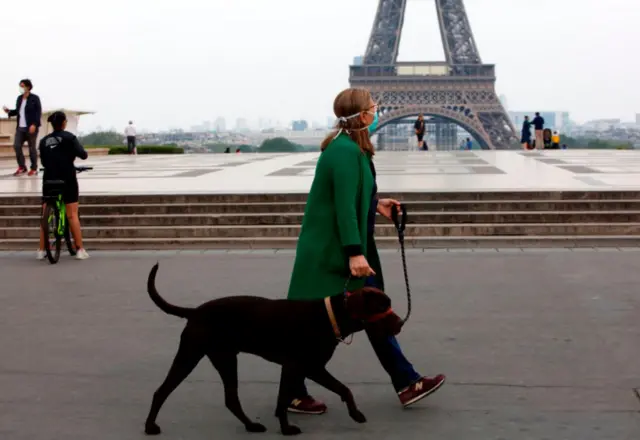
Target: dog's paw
(152,429)
(358,416)
(291,430)
(255,427)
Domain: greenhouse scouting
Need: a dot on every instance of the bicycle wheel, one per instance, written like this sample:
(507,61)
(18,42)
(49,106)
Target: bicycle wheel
(50,219)
(71,246)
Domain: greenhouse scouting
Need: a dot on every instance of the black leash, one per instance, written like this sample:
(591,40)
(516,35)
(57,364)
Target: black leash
(401,224)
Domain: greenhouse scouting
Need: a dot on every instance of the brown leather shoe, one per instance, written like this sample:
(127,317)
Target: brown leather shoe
(307,405)
(420,389)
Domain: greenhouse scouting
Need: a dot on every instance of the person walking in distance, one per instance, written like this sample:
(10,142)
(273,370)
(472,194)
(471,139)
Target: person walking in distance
(29,112)
(419,127)
(538,125)
(130,133)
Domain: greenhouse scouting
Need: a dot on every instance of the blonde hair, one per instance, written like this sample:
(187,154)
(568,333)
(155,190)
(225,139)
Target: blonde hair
(350,102)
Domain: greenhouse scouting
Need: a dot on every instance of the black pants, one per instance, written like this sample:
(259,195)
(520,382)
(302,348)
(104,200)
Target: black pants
(131,144)
(22,136)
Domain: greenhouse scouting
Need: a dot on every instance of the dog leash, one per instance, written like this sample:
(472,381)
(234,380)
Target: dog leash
(401,224)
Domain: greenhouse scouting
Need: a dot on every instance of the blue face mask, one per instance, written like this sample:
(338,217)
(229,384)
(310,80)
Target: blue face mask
(374,124)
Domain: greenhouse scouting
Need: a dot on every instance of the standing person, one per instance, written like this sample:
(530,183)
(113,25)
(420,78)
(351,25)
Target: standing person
(130,133)
(526,134)
(469,144)
(538,124)
(555,140)
(337,241)
(29,112)
(58,151)
(419,128)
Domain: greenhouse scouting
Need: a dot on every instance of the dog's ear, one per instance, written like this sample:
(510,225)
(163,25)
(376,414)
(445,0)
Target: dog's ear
(369,301)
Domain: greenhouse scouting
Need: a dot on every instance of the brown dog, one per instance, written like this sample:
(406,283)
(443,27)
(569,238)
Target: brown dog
(299,335)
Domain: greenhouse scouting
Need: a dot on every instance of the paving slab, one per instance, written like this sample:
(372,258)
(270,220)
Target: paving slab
(537,346)
(409,171)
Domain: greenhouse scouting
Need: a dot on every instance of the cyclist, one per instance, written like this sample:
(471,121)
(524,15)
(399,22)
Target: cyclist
(58,151)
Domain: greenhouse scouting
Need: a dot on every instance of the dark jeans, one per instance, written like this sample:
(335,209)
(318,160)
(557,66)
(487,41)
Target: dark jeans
(391,357)
(22,136)
(131,144)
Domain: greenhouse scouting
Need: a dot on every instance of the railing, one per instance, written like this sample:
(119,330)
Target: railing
(432,70)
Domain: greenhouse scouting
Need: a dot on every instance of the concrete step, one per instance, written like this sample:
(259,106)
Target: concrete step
(292,198)
(417,230)
(533,206)
(168,220)
(531,241)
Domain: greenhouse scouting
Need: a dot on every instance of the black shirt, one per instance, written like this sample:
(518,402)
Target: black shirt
(419,125)
(538,122)
(58,150)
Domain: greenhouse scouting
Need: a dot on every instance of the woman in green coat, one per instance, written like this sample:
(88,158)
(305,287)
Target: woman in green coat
(337,238)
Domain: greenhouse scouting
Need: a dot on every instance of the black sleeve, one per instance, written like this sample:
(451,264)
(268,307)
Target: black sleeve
(416,125)
(78,149)
(38,110)
(353,250)
(44,154)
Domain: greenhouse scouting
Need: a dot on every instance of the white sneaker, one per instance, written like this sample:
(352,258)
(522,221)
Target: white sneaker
(81,254)
(40,255)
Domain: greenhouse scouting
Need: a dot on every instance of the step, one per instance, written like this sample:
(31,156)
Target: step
(12,199)
(298,207)
(253,219)
(421,230)
(603,241)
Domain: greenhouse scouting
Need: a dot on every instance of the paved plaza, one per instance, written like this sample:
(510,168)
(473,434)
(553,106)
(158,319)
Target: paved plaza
(537,344)
(397,171)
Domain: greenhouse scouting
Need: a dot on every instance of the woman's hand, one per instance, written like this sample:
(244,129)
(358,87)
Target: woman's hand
(360,267)
(385,205)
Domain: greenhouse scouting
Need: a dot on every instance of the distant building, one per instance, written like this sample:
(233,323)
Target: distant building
(242,124)
(503,100)
(220,125)
(300,125)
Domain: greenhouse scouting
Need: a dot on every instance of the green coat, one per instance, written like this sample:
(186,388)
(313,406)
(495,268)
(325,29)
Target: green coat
(335,216)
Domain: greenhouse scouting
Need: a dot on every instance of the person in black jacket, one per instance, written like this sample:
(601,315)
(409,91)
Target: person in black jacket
(29,112)
(538,124)
(58,151)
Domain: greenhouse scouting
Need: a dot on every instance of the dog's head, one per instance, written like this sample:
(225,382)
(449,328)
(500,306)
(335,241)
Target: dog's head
(371,307)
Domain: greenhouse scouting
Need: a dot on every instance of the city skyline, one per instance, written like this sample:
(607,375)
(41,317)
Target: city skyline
(212,64)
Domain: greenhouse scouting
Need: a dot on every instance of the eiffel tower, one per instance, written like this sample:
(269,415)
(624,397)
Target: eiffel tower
(460,90)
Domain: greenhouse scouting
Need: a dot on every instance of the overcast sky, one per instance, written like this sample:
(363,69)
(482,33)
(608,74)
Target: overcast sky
(168,63)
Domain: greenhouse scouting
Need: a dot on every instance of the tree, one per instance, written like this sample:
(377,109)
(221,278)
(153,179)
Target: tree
(279,145)
(102,138)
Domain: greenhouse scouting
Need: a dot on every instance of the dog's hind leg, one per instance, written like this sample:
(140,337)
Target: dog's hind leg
(227,366)
(188,356)
(324,378)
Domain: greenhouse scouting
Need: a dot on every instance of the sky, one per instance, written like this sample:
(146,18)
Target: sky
(173,64)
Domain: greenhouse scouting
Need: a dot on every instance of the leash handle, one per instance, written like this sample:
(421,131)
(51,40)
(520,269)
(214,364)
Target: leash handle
(400,223)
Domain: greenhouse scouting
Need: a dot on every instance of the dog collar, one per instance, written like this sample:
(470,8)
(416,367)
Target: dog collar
(334,322)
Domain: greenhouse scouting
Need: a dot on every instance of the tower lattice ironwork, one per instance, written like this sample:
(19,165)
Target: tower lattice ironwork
(460,89)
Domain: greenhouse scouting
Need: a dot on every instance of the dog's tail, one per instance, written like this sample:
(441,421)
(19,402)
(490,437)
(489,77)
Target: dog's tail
(182,312)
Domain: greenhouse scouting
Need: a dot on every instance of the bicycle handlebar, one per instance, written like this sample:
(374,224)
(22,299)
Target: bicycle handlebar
(78,169)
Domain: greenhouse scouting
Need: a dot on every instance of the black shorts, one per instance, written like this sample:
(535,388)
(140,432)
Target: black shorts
(70,191)
(420,137)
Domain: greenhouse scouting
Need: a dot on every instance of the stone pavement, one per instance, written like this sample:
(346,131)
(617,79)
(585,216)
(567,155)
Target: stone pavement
(398,171)
(536,345)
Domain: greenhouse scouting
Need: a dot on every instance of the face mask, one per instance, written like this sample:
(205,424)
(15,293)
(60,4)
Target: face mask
(371,127)
(374,124)
(22,90)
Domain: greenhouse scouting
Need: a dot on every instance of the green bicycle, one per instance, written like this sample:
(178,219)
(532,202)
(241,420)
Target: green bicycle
(54,219)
